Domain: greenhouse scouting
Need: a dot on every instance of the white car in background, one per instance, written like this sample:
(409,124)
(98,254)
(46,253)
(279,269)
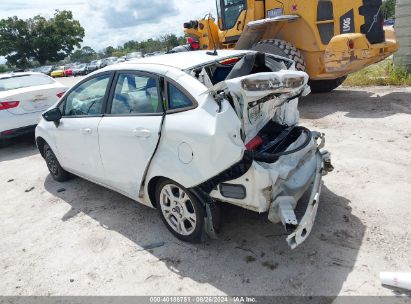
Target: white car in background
(186,132)
(23,98)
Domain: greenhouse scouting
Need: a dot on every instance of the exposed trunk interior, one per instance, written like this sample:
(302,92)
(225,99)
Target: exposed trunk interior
(259,88)
(274,139)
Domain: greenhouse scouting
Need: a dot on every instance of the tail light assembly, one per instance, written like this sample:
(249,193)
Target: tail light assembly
(194,44)
(59,95)
(229,61)
(5,105)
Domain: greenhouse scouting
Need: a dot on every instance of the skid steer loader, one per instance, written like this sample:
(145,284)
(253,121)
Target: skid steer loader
(326,38)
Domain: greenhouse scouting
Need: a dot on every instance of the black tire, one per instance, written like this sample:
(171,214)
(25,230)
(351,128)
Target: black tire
(281,48)
(56,171)
(325,86)
(175,215)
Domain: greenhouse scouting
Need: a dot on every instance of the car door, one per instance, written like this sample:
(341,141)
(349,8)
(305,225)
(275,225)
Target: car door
(129,132)
(77,133)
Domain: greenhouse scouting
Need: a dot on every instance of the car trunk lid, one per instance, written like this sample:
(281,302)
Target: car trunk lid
(32,99)
(261,97)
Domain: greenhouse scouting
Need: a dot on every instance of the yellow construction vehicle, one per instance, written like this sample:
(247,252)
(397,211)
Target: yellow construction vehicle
(326,38)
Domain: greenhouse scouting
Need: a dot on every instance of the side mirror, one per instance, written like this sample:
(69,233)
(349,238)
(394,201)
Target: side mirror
(53,115)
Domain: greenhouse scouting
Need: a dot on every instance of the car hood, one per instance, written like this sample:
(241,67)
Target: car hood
(258,97)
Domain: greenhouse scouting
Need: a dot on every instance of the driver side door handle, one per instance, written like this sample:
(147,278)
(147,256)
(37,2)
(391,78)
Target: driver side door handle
(86,131)
(143,133)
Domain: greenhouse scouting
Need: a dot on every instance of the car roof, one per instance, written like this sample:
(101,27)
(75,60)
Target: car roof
(186,60)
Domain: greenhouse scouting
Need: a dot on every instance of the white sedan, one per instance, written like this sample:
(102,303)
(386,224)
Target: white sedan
(23,98)
(186,132)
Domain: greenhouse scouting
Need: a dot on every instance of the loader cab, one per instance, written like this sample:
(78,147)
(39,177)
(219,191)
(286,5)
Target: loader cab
(228,12)
(231,18)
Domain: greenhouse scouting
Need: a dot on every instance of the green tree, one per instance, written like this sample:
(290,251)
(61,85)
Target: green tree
(85,54)
(119,53)
(132,45)
(164,43)
(108,52)
(39,38)
(3,68)
(182,40)
(170,41)
(388,9)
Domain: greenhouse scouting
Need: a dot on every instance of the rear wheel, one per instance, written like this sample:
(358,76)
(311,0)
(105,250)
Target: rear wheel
(180,210)
(286,49)
(324,86)
(56,171)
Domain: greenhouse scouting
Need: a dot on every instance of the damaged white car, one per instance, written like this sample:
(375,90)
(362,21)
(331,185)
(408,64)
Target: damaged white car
(184,132)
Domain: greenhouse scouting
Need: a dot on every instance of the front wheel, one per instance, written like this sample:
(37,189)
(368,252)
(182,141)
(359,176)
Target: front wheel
(180,210)
(56,171)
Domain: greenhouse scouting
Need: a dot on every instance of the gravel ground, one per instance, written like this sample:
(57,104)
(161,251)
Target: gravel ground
(78,238)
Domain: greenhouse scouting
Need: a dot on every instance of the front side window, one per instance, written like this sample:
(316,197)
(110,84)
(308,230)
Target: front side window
(87,98)
(136,94)
(177,99)
(229,11)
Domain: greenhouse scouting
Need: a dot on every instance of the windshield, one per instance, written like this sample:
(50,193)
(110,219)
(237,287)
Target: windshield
(23,81)
(228,12)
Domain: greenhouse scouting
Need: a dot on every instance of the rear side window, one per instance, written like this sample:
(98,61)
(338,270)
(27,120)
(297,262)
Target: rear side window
(24,81)
(136,94)
(177,99)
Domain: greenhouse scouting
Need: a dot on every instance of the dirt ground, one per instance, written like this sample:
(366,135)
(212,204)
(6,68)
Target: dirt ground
(78,238)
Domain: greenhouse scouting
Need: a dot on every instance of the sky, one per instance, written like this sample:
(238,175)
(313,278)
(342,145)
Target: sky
(113,22)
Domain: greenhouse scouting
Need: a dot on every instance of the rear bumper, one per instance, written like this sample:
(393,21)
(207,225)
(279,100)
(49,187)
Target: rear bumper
(340,60)
(79,73)
(303,230)
(289,205)
(12,125)
(57,74)
(17,132)
(278,188)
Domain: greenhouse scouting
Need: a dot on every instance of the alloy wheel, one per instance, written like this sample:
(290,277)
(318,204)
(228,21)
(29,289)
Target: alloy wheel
(177,209)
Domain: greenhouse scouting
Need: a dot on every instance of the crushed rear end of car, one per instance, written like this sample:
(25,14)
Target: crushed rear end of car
(283,164)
